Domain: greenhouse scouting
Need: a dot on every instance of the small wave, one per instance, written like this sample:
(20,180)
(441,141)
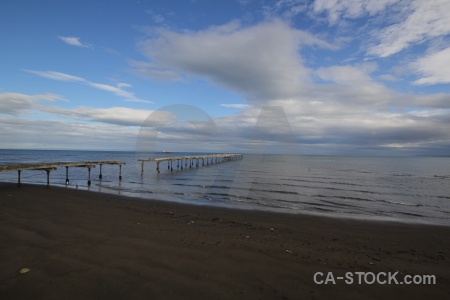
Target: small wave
(339,204)
(202,185)
(355,171)
(343,197)
(410,214)
(346,183)
(442,176)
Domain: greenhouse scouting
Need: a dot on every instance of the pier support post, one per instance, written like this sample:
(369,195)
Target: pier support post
(120,171)
(18,178)
(168,165)
(181,164)
(48,177)
(142,168)
(100,175)
(89,176)
(171,168)
(157,166)
(67,175)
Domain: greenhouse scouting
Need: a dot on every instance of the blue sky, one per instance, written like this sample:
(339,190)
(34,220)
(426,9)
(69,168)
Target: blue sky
(350,76)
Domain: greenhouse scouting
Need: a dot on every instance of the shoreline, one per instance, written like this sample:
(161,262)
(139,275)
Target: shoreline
(90,244)
(332,215)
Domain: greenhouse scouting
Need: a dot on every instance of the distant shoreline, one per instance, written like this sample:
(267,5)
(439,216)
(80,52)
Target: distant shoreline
(236,151)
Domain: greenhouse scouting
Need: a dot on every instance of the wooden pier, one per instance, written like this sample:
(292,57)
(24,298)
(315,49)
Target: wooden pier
(50,166)
(190,160)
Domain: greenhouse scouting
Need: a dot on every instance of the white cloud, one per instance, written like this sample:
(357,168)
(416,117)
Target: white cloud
(351,9)
(325,118)
(433,68)
(261,62)
(16,104)
(57,76)
(152,72)
(117,90)
(122,116)
(28,134)
(285,8)
(353,85)
(73,41)
(318,127)
(331,107)
(388,77)
(124,85)
(157,18)
(234,105)
(427,19)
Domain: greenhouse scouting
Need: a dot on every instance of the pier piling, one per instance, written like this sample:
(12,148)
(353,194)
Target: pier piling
(49,166)
(100,175)
(191,160)
(89,176)
(48,177)
(67,175)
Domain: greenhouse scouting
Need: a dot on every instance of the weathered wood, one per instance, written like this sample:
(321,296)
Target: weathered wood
(47,165)
(212,158)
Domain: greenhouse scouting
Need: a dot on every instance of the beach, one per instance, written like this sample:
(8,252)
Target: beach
(63,243)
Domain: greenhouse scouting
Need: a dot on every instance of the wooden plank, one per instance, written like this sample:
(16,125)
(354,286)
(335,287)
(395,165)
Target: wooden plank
(218,158)
(171,158)
(50,165)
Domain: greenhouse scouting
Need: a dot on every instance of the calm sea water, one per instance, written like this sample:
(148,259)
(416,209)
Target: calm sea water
(415,189)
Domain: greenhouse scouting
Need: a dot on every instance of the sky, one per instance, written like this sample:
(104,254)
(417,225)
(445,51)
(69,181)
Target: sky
(346,77)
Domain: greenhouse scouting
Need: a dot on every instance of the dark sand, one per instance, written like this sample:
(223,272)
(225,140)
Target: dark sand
(87,245)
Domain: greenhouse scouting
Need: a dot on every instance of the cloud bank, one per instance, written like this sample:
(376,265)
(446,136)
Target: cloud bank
(335,107)
(260,62)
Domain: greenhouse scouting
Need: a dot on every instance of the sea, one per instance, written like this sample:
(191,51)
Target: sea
(405,189)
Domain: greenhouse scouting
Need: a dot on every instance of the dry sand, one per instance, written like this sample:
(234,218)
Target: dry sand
(87,245)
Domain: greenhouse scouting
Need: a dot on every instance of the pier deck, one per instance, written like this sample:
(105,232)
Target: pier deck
(191,160)
(50,166)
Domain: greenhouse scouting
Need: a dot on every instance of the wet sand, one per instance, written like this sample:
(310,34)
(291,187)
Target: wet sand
(88,245)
